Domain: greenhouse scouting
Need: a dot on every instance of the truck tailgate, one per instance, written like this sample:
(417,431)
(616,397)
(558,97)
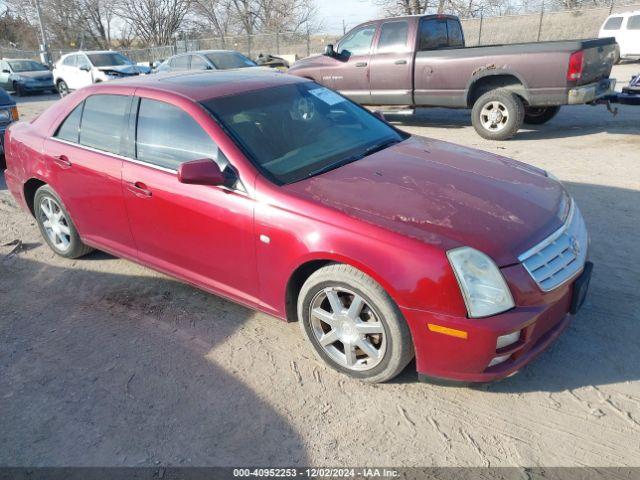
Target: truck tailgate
(598,59)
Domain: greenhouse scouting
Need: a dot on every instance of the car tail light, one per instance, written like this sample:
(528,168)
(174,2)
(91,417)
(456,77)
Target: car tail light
(576,61)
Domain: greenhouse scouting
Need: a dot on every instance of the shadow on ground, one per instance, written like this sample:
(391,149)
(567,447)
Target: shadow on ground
(107,369)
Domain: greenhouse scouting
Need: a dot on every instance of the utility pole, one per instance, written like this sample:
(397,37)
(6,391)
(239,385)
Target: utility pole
(45,57)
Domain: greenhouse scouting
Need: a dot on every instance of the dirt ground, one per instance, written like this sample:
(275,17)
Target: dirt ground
(104,362)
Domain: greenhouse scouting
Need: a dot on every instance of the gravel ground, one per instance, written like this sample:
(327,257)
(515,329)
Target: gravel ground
(104,362)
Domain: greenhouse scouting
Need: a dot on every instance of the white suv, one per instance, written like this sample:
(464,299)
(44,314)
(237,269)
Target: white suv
(625,27)
(79,69)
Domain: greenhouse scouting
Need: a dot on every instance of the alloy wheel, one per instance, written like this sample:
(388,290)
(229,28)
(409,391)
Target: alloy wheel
(347,328)
(494,116)
(55,224)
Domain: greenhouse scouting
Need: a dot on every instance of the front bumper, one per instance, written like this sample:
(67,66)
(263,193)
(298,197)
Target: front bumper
(35,87)
(447,357)
(589,93)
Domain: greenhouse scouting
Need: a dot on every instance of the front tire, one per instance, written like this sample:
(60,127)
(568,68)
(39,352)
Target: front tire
(353,325)
(539,115)
(18,90)
(498,114)
(56,225)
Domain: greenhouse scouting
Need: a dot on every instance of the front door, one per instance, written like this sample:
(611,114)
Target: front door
(85,169)
(200,233)
(350,74)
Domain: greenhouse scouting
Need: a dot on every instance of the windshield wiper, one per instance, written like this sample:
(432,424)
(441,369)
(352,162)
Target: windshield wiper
(368,151)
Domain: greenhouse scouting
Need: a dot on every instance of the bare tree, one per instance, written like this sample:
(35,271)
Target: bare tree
(155,22)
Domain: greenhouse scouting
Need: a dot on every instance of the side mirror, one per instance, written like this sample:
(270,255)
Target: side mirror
(380,115)
(85,68)
(201,172)
(329,51)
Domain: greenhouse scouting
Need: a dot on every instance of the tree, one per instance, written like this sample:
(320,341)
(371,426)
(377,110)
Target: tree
(155,22)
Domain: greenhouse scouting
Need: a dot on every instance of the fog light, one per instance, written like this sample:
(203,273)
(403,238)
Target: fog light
(506,340)
(498,360)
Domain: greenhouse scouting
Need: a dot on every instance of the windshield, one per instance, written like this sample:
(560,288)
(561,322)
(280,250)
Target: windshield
(108,59)
(299,130)
(226,60)
(26,66)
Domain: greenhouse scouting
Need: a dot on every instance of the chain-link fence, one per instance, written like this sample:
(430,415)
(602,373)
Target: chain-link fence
(541,26)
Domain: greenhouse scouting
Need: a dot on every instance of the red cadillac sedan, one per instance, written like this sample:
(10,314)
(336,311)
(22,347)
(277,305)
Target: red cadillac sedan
(280,194)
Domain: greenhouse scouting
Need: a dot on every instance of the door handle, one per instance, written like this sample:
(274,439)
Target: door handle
(361,64)
(400,62)
(139,189)
(62,161)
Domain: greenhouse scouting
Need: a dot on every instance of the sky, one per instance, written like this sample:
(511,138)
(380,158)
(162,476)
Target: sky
(332,12)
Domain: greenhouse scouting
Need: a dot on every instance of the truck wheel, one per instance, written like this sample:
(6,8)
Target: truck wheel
(498,114)
(353,325)
(56,225)
(539,115)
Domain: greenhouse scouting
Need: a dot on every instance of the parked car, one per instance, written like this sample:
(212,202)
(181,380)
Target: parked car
(207,60)
(25,76)
(422,61)
(283,195)
(8,114)
(625,28)
(80,69)
(272,61)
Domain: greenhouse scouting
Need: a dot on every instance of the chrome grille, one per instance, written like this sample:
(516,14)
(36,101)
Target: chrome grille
(561,256)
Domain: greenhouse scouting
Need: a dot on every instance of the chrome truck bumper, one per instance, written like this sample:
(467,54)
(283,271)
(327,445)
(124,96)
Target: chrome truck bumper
(593,91)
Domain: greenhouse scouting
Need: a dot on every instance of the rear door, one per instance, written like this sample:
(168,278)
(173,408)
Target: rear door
(201,233)
(391,69)
(351,74)
(85,164)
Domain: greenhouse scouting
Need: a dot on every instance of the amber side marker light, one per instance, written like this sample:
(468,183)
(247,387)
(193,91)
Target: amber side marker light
(447,331)
(14,114)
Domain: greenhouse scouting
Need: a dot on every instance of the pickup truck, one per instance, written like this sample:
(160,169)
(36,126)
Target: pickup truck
(422,61)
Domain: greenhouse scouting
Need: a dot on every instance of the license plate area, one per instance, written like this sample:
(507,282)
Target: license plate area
(580,288)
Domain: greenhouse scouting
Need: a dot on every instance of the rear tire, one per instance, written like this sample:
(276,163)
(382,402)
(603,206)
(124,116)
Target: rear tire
(498,114)
(56,225)
(539,115)
(63,88)
(371,342)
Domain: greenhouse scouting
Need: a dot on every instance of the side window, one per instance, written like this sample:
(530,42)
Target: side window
(433,34)
(83,62)
(633,23)
(69,130)
(180,63)
(70,61)
(198,63)
(454,33)
(4,66)
(102,121)
(167,136)
(357,42)
(614,23)
(393,37)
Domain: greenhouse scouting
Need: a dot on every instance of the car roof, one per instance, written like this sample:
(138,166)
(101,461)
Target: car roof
(624,14)
(204,85)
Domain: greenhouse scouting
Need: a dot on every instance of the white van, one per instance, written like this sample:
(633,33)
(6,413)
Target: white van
(625,27)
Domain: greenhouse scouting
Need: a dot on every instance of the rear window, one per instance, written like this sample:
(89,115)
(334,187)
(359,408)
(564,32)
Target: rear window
(102,122)
(393,37)
(633,23)
(613,23)
(454,33)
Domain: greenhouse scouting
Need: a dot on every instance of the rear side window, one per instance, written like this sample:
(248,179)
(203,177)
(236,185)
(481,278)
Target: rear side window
(433,34)
(180,63)
(70,128)
(613,23)
(454,33)
(198,63)
(393,37)
(102,122)
(633,23)
(167,136)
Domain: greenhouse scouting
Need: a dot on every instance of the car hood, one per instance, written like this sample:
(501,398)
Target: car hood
(35,75)
(446,195)
(127,69)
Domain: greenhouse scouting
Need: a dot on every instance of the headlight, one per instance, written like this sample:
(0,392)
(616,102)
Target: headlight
(5,115)
(483,288)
